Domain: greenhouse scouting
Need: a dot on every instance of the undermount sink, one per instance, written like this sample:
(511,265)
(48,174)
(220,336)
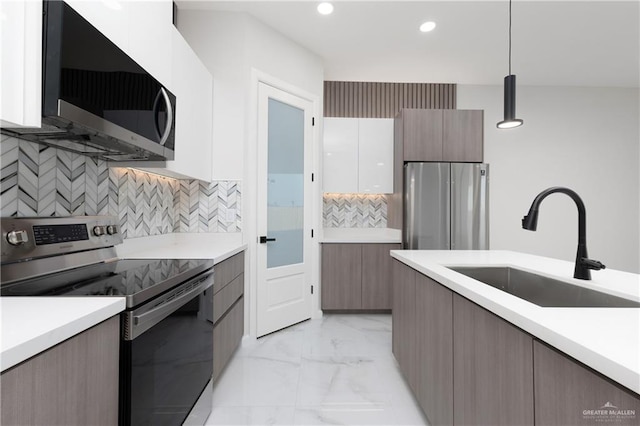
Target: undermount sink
(540,290)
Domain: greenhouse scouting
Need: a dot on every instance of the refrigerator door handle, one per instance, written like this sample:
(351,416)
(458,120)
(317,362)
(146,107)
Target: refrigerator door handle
(448,208)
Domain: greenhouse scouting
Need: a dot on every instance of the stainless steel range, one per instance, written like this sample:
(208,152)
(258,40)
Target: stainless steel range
(166,350)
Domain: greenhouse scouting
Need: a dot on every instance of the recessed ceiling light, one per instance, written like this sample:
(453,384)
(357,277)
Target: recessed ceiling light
(325,8)
(427,26)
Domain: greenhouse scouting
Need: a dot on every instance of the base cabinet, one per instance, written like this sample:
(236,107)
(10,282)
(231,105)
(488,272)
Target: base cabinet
(434,350)
(356,276)
(227,335)
(492,364)
(422,340)
(376,275)
(404,322)
(228,311)
(341,276)
(73,383)
(567,393)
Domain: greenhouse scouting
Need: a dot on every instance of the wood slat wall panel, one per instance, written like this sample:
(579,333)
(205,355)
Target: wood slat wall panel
(384,100)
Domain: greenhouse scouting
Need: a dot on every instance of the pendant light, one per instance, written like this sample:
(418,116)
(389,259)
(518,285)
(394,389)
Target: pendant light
(510,121)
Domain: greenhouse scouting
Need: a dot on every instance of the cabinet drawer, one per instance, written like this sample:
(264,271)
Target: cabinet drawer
(227,335)
(227,270)
(223,299)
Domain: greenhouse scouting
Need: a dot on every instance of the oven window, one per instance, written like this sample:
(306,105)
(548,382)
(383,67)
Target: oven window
(165,369)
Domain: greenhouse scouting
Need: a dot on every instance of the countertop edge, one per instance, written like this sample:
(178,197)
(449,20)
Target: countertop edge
(216,246)
(23,350)
(360,236)
(359,241)
(618,372)
(229,254)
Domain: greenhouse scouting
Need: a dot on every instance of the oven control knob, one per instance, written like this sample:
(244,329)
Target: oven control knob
(98,231)
(112,229)
(16,238)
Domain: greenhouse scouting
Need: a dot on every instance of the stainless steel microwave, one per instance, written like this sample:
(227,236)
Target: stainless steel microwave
(96,100)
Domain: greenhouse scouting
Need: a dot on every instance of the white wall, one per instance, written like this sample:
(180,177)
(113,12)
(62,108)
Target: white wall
(586,139)
(237,49)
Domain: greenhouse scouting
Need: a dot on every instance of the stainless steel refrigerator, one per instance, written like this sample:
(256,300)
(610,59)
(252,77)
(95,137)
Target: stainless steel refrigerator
(446,206)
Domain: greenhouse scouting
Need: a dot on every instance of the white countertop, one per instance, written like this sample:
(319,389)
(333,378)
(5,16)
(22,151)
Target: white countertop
(31,325)
(605,339)
(361,235)
(216,246)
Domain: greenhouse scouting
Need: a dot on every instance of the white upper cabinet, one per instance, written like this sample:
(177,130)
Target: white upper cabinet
(142,29)
(150,36)
(111,18)
(193,86)
(358,155)
(21,63)
(340,146)
(375,155)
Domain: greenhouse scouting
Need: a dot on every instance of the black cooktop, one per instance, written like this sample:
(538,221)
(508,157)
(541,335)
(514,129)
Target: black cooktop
(137,279)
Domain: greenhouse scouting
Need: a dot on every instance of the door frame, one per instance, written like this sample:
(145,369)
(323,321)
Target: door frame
(250,196)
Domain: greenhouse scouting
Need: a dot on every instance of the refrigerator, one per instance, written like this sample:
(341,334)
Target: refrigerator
(446,206)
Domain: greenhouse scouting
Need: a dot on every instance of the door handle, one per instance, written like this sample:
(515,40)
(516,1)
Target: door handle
(264,239)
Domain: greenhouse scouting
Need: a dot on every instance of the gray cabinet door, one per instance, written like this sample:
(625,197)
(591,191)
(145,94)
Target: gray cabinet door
(376,275)
(341,276)
(404,321)
(73,383)
(492,364)
(434,357)
(422,134)
(228,310)
(566,393)
(227,335)
(463,136)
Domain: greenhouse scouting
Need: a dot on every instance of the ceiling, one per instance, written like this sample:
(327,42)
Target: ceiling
(554,43)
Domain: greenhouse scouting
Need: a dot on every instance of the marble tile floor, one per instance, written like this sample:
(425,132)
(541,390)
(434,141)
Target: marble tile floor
(338,370)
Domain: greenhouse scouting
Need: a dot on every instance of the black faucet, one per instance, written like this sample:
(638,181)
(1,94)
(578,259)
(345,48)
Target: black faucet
(583,263)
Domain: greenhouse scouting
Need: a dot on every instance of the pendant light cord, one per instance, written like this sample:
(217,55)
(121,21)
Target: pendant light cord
(509,37)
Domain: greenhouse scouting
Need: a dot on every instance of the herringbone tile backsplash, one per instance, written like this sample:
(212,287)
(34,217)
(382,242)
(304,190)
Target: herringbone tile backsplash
(354,211)
(44,181)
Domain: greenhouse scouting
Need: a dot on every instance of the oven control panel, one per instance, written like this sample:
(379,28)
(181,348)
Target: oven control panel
(55,234)
(26,238)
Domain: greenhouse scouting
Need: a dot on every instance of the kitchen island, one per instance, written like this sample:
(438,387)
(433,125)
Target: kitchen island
(466,325)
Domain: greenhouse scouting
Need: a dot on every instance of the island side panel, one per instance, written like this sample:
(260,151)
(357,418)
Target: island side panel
(567,393)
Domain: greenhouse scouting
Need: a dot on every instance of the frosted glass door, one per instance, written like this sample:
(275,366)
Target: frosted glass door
(285,186)
(283,259)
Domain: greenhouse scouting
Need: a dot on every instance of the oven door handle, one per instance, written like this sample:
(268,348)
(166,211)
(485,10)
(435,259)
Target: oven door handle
(136,324)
